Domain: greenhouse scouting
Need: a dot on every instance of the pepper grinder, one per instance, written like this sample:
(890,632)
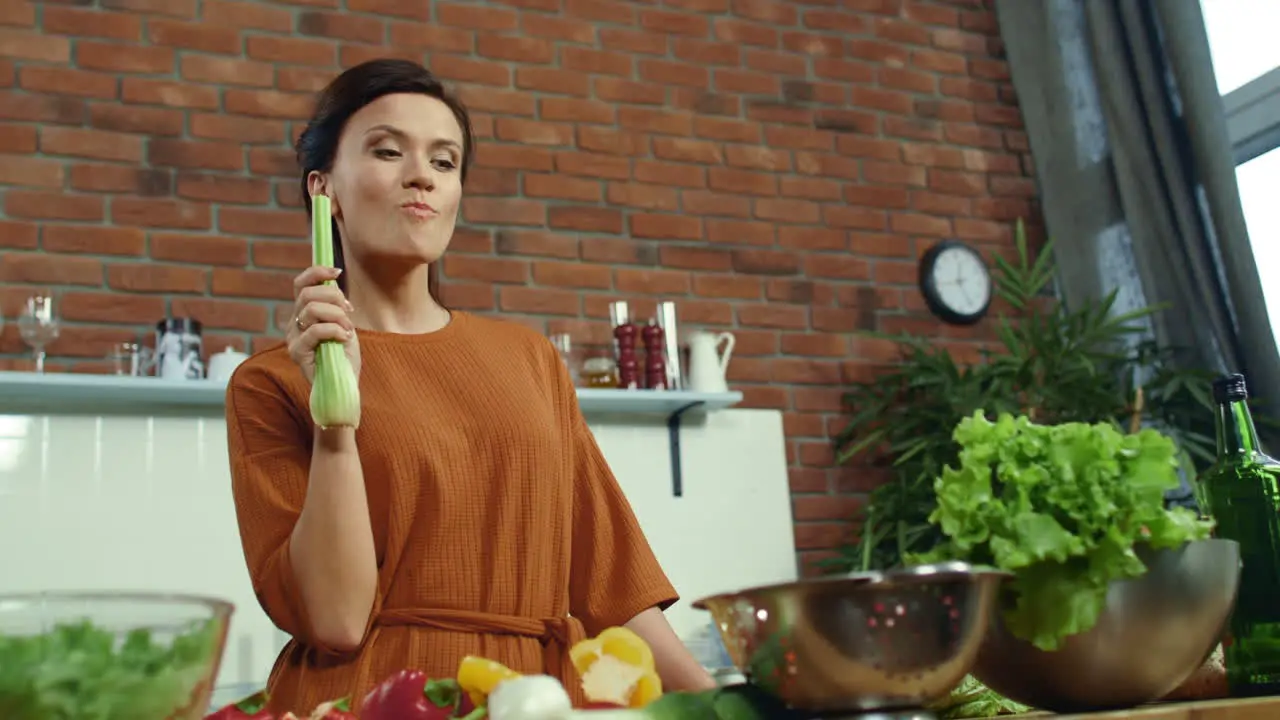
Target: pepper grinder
(655,367)
(624,345)
(628,367)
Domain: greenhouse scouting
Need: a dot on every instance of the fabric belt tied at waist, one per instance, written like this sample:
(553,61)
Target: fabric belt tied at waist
(556,634)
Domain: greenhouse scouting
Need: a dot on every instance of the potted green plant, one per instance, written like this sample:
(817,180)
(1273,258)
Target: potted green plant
(1053,363)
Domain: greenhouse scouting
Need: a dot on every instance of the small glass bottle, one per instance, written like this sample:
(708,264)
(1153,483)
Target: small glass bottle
(563,343)
(600,371)
(1242,493)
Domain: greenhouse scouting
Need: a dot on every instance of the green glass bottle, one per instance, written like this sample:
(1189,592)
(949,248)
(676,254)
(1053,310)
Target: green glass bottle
(1242,491)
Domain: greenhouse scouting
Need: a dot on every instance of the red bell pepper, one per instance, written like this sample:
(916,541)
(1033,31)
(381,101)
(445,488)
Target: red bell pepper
(250,708)
(408,695)
(465,706)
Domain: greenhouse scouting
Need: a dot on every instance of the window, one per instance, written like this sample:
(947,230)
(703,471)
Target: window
(1242,39)
(1246,63)
(1257,179)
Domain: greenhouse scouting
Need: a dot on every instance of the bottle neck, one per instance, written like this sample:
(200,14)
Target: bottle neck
(1235,432)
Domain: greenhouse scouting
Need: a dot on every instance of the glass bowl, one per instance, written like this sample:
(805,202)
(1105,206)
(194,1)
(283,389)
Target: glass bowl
(109,656)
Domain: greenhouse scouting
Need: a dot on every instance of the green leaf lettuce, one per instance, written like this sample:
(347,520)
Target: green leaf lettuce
(1062,507)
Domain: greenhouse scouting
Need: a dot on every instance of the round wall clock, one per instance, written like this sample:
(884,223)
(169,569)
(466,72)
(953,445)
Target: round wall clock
(955,282)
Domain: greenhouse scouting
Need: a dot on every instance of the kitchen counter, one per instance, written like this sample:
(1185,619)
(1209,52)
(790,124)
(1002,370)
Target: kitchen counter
(1240,709)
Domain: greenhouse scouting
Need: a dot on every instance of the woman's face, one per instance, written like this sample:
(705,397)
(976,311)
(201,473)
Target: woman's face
(396,181)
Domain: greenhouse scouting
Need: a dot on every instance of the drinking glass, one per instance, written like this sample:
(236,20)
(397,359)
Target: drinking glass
(38,325)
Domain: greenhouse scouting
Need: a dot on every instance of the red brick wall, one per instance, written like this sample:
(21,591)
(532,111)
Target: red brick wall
(776,167)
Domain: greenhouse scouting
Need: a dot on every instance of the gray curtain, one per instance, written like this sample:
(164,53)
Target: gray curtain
(1135,172)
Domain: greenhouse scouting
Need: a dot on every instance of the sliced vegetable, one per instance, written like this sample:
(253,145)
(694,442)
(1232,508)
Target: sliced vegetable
(740,702)
(747,702)
(253,707)
(466,707)
(617,667)
(408,695)
(530,697)
(335,710)
(335,391)
(972,699)
(683,706)
(479,677)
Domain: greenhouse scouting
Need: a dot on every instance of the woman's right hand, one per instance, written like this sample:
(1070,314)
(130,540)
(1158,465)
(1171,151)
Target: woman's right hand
(320,312)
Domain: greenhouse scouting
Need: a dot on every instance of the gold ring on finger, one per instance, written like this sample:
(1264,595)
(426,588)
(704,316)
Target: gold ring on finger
(297,320)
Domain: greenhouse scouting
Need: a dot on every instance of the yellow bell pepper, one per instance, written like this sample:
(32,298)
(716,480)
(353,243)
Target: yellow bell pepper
(479,677)
(617,668)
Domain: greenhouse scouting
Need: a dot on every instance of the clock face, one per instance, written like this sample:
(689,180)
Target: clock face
(956,283)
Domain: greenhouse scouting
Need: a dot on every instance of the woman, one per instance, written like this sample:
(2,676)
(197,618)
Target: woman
(472,511)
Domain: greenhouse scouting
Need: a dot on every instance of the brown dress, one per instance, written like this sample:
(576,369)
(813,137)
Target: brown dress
(494,514)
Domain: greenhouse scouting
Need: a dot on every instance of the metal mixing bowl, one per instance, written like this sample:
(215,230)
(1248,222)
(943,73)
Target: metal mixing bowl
(1154,632)
(875,641)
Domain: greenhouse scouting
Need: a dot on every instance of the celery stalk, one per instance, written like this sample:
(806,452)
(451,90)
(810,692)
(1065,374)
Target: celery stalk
(335,391)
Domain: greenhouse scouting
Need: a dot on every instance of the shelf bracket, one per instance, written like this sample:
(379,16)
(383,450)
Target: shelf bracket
(673,447)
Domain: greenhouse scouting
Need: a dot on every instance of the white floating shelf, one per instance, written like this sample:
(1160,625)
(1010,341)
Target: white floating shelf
(26,392)
(671,405)
(652,402)
(85,394)
(82,393)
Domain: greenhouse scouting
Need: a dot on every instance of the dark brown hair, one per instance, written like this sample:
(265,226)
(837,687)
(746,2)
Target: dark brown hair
(349,92)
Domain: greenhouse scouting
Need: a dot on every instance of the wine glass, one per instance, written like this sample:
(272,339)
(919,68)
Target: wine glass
(38,325)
